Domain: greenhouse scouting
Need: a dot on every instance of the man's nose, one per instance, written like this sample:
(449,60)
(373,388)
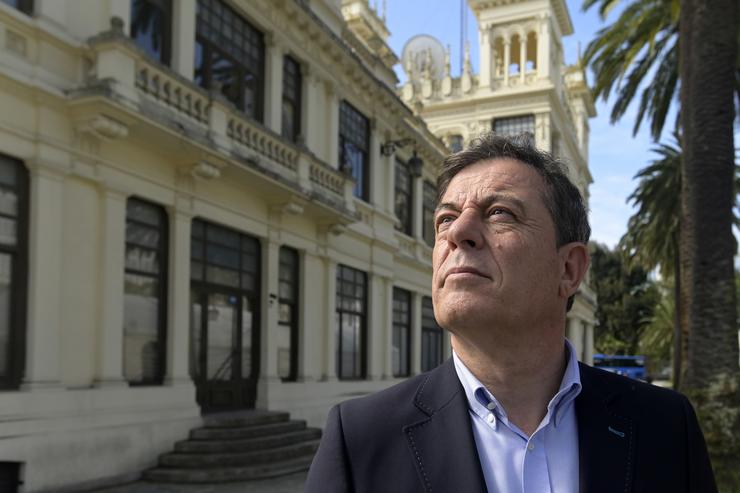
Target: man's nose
(465,231)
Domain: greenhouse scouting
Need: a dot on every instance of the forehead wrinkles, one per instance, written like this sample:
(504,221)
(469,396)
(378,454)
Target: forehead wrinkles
(476,187)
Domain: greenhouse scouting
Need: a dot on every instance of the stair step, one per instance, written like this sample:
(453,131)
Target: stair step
(273,455)
(228,474)
(247,444)
(244,419)
(247,431)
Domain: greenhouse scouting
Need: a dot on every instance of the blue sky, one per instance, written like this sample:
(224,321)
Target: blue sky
(615,155)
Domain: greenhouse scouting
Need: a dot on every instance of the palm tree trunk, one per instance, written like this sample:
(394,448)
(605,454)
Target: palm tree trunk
(708,47)
(677,328)
(708,51)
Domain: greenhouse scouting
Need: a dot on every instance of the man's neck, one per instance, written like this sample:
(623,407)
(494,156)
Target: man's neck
(523,376)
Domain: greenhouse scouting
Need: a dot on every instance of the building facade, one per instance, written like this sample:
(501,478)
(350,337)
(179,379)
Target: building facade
(523,85)
(205,205)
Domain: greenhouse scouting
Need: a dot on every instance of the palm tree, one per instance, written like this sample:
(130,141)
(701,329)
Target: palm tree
(652,236)
(641,44)
(642,40)
(708,57)
(651,240)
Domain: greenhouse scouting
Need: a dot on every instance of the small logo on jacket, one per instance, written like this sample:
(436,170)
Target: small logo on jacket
(620,434)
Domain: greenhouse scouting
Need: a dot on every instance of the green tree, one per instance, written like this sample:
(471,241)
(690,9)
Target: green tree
(626,300)
(652,233)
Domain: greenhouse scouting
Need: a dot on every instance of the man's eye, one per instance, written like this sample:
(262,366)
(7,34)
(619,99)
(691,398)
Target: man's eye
(497,211)
(443,221)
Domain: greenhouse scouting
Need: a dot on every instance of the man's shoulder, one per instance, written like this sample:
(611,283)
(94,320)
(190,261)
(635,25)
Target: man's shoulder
(628,389)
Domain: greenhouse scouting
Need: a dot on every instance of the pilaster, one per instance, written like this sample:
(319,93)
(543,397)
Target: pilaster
(268,341)
(109,361)
(415,333)
(183,37)
(274,85)
(43,331)
(178,309)
(332,126)
(484,79)
(330,326)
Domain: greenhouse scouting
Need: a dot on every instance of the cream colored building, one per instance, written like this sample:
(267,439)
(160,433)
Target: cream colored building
(215,204)
(198,222)
(523,85)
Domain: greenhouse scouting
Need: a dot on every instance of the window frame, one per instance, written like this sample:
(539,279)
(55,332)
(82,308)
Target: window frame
(398,295)
(362,314)
(16,356)
(166,7)
(295,99)
(210,46)
(406,227)
(430,328)
(515,125)
(428,208)
(25,6)
(163,279)
(347,111)
(294,306)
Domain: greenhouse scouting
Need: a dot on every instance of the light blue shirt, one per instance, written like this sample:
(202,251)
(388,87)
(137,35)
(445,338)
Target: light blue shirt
(512,462)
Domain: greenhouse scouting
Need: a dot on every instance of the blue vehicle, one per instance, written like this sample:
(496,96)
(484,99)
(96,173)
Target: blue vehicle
(632,366)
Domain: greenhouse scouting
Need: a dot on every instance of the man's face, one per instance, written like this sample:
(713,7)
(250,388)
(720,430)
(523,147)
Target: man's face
(495,255)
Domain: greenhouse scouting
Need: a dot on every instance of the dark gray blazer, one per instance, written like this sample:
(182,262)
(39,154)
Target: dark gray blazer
(416,436)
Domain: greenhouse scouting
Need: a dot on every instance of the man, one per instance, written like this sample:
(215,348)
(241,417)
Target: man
(512,410)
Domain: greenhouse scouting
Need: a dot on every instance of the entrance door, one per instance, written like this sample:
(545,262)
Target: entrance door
(223,361)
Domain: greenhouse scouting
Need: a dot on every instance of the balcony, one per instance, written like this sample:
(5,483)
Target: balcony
(126,88)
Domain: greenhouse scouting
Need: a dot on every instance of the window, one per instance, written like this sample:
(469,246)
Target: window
(25,6)
(354,138)
(288,314)
(404,201)
(151,27)
(430,203)
(145,293)
(351,322)
(291,111)
(401,332)
(230,56)
(514,125)
(431,337)
(456,143)
(13,268)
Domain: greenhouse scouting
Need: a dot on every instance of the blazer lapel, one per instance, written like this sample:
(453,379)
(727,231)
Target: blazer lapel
(442,443)
(606,440)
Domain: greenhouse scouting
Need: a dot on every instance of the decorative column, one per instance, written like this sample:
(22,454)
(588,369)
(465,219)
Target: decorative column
(331,153)
(183,37)
(178,309)
(507,59)
(43,330)
(375,162)
(330,328)
(311,320)
(269,309)
(312,109)
(417,198)
(274,85)
(522,57)
(109,367)
(543,47)
(415,333)
(484,79)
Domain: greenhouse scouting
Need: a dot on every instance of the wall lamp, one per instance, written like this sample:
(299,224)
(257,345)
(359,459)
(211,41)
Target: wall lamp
(415,163)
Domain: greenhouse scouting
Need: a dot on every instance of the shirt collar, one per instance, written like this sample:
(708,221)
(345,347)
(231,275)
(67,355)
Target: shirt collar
(482,402)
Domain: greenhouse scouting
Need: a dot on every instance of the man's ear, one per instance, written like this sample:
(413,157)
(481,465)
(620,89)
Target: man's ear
(574,260)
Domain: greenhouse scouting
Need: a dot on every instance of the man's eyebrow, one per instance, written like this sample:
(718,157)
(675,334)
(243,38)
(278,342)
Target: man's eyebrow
(486,202)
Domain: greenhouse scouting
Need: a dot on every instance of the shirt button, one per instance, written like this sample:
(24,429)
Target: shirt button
(490,406)
(530,446)
(489,418)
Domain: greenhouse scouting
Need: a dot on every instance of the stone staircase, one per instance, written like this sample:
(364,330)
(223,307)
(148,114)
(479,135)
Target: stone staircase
(238,447)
